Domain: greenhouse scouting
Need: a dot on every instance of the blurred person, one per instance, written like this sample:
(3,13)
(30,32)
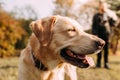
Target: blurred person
(103,20)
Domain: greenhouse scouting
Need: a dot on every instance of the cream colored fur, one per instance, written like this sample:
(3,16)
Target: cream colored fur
(48,51)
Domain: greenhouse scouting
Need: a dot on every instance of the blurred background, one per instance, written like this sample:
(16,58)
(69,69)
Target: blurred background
(16,15)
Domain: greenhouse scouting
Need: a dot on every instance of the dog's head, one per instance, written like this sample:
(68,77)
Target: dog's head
(67,40)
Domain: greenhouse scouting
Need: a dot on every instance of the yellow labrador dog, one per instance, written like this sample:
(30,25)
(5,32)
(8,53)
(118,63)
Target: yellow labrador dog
(57,45)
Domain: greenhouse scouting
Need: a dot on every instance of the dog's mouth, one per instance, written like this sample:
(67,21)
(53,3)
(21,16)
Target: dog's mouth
(81,61)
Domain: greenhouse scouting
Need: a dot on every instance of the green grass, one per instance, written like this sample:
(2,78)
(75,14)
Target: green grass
(9,70)
(102,73)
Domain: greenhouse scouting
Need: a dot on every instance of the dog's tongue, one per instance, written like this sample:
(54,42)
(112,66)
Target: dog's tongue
(90,60)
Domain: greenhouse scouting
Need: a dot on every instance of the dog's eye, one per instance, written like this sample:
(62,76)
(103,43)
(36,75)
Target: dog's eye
(71,30)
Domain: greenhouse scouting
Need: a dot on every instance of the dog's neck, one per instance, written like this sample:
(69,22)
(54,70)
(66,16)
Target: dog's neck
(44,66)
(38,64)
(42,53)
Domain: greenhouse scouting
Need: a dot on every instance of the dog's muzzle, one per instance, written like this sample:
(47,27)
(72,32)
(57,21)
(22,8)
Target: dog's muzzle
(81,61)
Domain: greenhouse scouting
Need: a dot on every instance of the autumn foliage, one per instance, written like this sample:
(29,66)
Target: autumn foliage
(10,33)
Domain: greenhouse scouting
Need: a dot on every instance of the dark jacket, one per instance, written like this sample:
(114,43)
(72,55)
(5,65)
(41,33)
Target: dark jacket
(98,27)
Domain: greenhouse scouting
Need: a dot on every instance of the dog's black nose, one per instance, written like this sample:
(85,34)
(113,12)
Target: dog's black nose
(100,43)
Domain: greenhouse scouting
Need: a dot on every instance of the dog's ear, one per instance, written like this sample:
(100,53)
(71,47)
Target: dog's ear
(43,29)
